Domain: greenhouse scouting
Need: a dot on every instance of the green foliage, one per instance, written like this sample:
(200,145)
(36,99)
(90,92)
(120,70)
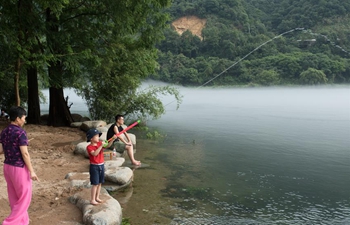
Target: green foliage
(267,78)
(126,221)
(102,48)
(313,76)
(105,100)
(155,135)
(235,29)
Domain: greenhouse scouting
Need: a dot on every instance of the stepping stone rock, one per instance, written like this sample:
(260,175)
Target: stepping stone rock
(107,213)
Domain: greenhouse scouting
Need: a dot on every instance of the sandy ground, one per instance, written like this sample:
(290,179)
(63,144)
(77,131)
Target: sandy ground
(51,151)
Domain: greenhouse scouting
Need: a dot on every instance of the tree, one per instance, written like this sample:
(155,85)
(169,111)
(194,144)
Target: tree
(267,78)
(313,76)
(21,30)
(126,56)
(111,43)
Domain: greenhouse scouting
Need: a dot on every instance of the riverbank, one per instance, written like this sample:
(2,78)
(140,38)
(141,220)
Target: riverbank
(51,150)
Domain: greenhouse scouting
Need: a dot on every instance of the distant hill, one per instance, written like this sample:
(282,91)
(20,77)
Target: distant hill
(208,36)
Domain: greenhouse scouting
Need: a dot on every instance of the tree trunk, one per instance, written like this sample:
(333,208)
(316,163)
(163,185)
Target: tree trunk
(16,83)
(59,114)
(33,96)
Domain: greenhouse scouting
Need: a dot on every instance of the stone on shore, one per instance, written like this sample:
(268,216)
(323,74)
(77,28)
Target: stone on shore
(80,149)
(132,136)
(69,223)
(79,179)
(102,129)
(77,117)
(76,124)
(85,126)
(119,176)
(107,213)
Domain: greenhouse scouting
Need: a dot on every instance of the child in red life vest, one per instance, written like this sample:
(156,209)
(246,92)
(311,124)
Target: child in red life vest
(97,169)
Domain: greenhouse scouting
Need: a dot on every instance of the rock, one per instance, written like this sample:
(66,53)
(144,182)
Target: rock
(79,179)
(113,173)
(119,175)
(103,135)
(69,223)
(102,129)
(80,149)
(85,126)
(85,118)
(107,213)
(76,117)
(132,137)
(114,163)
(76,124)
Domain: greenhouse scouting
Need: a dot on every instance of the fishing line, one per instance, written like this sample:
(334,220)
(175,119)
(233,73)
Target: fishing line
(238,61)
(327,39)
(278,36)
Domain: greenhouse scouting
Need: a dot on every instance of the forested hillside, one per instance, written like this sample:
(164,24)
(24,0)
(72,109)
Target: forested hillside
(314,47)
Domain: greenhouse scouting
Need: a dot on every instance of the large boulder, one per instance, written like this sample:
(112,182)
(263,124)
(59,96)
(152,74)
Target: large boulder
(132,137)
(79,179)
(76,124)
(114,163)
(102,129)
(76,117)
(107,213)
(85,126)
(69,223)
(113,173)
(119,175)
(80,149)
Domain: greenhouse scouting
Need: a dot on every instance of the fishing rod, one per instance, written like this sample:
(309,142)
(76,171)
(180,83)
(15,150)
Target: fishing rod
(105,143)
(125,130)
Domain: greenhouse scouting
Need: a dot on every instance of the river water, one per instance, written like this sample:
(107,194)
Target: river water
(256,156)
(77,104)
(247,156)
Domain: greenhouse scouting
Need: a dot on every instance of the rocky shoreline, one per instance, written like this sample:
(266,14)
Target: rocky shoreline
(58,151)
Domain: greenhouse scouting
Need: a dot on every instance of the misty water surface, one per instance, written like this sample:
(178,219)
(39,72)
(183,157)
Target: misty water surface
(261,155)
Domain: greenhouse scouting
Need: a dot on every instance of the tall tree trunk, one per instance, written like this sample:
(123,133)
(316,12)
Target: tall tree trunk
(33,96)
(16,83)
(59,114)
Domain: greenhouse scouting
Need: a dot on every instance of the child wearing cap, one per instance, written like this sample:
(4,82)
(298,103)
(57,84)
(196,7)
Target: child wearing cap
(95,151)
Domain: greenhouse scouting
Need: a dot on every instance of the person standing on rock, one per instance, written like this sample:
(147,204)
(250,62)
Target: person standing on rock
(18,170)
(120,144)
(97,169)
